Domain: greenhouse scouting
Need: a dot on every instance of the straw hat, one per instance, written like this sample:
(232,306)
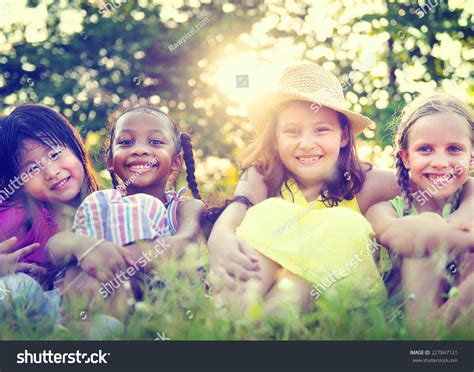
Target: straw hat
(307,82)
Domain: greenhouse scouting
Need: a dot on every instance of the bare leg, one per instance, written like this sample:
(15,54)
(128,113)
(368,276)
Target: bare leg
(422,282)
(243,294)
(81,297)
(423,278)
(458,309)
(290,291)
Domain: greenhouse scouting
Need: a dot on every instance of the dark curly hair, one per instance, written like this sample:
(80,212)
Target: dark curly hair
(182,142)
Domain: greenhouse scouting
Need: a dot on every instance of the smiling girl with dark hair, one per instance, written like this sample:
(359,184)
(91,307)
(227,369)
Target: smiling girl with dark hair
(44,176)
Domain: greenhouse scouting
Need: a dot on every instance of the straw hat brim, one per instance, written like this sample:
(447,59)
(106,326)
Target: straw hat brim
(260,111)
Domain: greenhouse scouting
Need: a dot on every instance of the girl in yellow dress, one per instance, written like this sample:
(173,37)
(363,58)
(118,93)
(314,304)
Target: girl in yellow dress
(306,239)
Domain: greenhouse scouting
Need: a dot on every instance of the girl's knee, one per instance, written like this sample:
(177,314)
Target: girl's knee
(467,289)
(21,285)
(78,284)
(20,291)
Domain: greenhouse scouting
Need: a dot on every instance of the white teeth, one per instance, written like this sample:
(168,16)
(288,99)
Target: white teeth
(308,159)
(440,179)
(60,183)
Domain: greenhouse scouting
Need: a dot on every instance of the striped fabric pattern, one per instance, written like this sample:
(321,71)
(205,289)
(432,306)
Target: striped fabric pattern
(109,215)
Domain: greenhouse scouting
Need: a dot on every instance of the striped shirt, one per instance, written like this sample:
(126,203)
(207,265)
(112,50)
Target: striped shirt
(120,219)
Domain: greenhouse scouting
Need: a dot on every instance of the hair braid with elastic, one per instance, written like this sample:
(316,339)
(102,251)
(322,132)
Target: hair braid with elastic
(189,161)
(403,179)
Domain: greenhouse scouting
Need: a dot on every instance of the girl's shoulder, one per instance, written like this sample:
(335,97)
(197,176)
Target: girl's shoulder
(380,185)
(15,220)
(13,216)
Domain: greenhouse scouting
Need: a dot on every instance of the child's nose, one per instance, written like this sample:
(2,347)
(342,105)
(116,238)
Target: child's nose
(307,142)
(440,161)
(51,171)
(140,150)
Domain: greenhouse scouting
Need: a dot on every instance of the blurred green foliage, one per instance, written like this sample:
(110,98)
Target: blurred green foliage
(384,53)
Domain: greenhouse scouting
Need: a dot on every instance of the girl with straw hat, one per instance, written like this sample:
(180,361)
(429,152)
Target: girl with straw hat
(307,231)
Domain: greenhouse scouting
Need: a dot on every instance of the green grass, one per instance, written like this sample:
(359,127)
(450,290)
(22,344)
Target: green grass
(182,311)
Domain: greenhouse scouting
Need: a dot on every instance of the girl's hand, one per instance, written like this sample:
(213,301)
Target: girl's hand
(9,261)
(104,263)
(233,255)
(174,246)
(147,253)
(465,226)
(138,254)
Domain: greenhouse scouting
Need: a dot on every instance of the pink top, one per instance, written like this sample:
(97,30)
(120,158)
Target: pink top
(13,222)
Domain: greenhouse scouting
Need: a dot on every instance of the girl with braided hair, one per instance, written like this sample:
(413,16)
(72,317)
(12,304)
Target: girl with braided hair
(146,223)
(434,156)
(146,150)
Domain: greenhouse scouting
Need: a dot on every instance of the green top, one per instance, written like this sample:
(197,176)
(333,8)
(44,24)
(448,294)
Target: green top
(399,205)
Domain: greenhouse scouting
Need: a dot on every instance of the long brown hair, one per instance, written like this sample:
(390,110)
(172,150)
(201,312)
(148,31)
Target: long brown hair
(439,102)
(261,153)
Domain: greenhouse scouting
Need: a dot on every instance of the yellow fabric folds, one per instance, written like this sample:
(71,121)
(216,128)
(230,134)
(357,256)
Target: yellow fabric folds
(329,247)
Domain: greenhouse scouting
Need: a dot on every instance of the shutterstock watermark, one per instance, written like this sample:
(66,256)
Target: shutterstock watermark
(132,179)
(106,289)
(427,7)
(343,271)
(422,196)
(183,39)
(18,182)
(48,357)
(290,222)
(107,7)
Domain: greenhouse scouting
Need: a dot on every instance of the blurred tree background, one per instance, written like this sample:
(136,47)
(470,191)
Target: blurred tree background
(204,60)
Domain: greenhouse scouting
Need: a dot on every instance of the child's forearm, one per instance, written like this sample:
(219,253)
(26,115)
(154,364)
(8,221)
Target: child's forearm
(60,247)
(189,219)
(252,185)
(65,245)
(230,219)
(423,234)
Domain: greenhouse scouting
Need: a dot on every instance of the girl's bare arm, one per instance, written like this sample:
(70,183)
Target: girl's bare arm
(380,185)
(237,258)
(416,236)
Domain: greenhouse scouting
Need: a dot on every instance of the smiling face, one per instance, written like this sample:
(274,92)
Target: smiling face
(50,174)
(143,153)
(309,142)
(439,153)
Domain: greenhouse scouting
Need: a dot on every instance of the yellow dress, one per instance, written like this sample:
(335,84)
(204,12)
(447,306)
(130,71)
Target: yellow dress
(329,247)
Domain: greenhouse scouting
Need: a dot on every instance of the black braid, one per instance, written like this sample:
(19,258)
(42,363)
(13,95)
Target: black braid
(189,161)
(455,198)
(115,182)
(403,179)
